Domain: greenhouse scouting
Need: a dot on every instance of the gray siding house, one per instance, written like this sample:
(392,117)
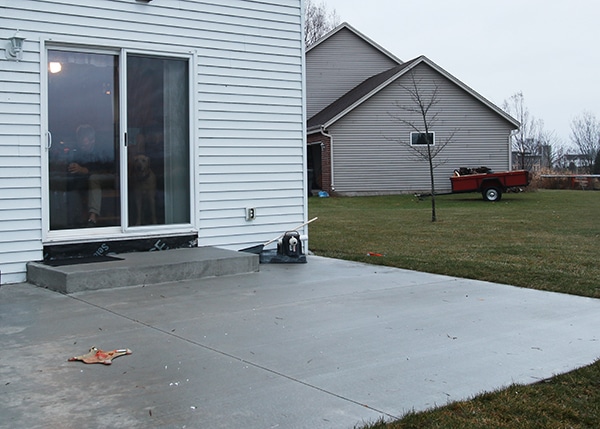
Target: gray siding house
(362,136)
(211,94)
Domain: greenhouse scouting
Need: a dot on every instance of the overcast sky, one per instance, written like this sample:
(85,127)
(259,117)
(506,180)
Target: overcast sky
(548,49)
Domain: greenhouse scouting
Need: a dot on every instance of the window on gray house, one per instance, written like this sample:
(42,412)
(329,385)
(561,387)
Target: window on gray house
(421,139)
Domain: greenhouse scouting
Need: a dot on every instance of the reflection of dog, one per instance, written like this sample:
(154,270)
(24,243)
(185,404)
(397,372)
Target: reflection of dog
(144,188)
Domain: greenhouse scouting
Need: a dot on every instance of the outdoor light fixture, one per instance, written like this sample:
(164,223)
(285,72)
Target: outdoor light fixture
(14,50)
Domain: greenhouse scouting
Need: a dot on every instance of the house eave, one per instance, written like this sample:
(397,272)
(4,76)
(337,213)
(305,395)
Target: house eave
(411,65)
(370,94)
(314,129)
(472,92)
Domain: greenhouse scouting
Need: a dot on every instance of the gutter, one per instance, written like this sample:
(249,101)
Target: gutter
(331,163)
(510,152)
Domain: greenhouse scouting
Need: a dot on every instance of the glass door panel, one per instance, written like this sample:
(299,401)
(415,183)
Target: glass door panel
(85,155)
(158,141)
(83,120)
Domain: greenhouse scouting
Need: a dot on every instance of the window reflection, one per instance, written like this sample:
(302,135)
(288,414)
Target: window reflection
(158,152)
(83,159)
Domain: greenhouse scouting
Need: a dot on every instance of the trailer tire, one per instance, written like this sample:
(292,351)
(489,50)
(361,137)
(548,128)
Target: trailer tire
(492,194)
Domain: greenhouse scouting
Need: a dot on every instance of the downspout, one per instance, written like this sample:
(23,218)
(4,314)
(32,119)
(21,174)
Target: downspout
(330,137)
(510,153)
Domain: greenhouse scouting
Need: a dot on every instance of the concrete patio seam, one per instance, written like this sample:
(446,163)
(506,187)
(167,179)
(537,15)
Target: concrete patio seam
(231,356)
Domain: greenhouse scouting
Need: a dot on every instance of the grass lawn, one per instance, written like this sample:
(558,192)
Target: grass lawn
(541,240)
(544,240)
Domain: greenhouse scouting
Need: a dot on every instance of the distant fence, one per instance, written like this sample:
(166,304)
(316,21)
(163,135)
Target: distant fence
(576,181)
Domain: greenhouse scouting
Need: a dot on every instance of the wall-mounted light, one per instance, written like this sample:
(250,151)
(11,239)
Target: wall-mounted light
(144,1)
(14,49)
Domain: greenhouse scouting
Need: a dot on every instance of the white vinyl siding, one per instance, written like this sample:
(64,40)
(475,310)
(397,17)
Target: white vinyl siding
(338,65)
(20,162)
(371,148)
(248,121)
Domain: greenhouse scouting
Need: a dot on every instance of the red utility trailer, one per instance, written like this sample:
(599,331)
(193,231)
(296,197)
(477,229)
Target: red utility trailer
(491,185)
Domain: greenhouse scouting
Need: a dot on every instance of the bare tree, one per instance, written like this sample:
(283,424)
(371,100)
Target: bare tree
(534,146)
(525,140)
(550,149)
(317,21)
(555,155)
(585,136)
(421,116)
(596,169)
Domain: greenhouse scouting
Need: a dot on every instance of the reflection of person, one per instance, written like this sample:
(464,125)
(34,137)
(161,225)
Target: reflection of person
(92,169)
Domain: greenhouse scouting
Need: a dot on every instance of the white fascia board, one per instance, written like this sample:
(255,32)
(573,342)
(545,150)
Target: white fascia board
(471,91)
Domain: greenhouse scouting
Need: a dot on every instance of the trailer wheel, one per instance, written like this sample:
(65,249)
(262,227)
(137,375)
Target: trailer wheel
(492,194)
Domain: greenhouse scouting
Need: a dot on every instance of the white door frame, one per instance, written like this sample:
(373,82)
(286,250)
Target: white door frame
(124,231)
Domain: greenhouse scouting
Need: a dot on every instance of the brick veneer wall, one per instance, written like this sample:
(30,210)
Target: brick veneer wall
(325,178)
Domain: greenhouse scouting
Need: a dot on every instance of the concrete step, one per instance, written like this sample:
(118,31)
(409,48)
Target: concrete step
(141,268)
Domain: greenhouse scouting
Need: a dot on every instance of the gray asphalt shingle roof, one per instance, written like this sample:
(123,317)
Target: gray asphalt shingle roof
(355,95)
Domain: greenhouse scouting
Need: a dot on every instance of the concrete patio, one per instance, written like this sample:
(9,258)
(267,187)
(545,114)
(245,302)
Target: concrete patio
(327,344)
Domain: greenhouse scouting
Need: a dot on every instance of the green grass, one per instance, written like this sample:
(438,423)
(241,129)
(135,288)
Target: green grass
(542,240)
(545,240)
(567,401)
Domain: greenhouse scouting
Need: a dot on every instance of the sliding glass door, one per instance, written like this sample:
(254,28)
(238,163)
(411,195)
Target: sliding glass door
(83,119)
(113,168)
(158,140)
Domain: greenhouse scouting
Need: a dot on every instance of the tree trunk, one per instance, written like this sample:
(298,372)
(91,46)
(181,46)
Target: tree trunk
(432,177)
